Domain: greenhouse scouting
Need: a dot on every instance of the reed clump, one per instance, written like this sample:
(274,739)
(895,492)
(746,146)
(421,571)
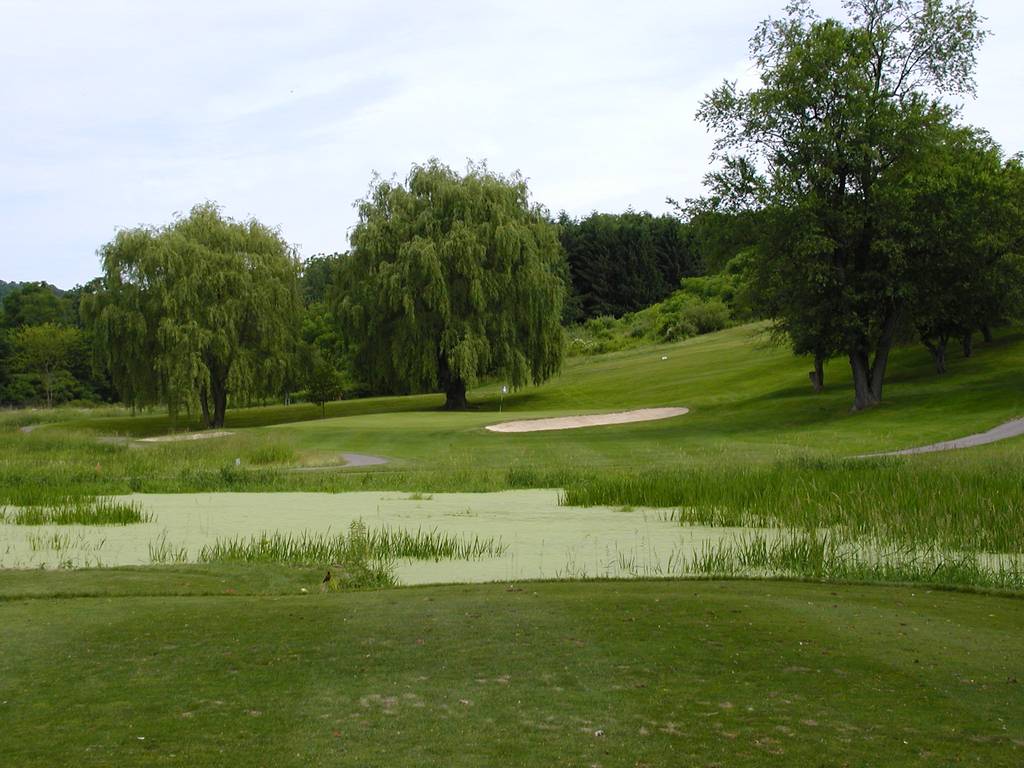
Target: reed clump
(971,507)
(823,556)
(77,511)
(382,544)
(359,558)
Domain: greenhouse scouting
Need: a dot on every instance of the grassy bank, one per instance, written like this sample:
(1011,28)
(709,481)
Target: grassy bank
(749,404)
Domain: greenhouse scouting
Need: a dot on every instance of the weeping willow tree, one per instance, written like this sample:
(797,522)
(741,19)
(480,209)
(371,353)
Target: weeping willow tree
(452,278)
(195,311)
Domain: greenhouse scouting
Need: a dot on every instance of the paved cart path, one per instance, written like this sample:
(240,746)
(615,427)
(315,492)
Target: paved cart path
(1005,431)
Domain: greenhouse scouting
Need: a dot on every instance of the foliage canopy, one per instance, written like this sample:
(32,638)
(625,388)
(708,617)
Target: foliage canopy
(196,310)
(846,116)
(452,278)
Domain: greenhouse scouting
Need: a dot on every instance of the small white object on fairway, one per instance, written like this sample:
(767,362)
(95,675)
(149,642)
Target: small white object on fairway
(184,436)
(590,420)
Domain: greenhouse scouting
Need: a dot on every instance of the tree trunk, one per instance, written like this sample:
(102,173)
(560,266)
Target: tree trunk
(938,350)
(220,400)
(864,396)
(454,388)
(986,333)
(455,395)
(204,404)
(968,344)
(817,376)
(881,362)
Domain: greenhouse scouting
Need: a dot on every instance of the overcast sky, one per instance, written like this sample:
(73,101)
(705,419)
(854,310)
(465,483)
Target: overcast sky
(122,113)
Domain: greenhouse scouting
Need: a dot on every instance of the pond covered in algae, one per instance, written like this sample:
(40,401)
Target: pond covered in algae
(544,540)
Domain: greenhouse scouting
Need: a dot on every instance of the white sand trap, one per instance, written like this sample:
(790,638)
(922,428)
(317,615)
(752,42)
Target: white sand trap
(184,436)
(590,420)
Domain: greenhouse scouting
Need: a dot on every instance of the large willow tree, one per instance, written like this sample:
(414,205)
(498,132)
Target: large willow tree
(452,278)
(195,311)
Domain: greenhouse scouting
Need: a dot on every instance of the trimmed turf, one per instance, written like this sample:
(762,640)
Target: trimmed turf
(747,399)
(610,674)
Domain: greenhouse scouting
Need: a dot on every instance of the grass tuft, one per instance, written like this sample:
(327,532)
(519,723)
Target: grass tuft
(314,548)
(78,511)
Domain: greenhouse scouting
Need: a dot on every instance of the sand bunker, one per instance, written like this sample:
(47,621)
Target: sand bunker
(184,436)
(591,420)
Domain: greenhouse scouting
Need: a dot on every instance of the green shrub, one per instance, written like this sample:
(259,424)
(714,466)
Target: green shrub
(680,316)
(675,327)
(707,316)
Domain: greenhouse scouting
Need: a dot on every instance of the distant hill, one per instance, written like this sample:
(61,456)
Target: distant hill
(6,288)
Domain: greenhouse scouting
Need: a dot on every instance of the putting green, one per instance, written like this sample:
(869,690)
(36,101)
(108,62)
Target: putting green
(544,540)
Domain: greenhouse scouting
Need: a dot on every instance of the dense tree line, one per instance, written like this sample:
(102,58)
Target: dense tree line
(619,263)
(45,350)
(451,277)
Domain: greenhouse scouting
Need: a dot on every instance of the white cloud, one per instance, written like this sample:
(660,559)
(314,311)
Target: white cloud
(119,113)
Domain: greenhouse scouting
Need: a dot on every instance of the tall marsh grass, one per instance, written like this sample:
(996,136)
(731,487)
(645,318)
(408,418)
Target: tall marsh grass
(822,556)
(77,511)
(162,552)
(384,544)
(971,508)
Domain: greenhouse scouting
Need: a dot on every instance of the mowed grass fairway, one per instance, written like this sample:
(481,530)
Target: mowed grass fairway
(231,663)
(610,674)
(750,405)
(749,401)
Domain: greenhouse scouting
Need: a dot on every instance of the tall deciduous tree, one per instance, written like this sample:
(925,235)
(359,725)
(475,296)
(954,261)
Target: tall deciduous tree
(45,350)
(961,235)
(845,113)
(195,311)
(323,382)
(452,278)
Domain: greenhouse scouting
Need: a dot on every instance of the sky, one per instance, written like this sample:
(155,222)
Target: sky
(116,114)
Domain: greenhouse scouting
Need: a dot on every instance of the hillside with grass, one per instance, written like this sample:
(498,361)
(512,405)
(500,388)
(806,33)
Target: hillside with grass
(757,450)
(742,391)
